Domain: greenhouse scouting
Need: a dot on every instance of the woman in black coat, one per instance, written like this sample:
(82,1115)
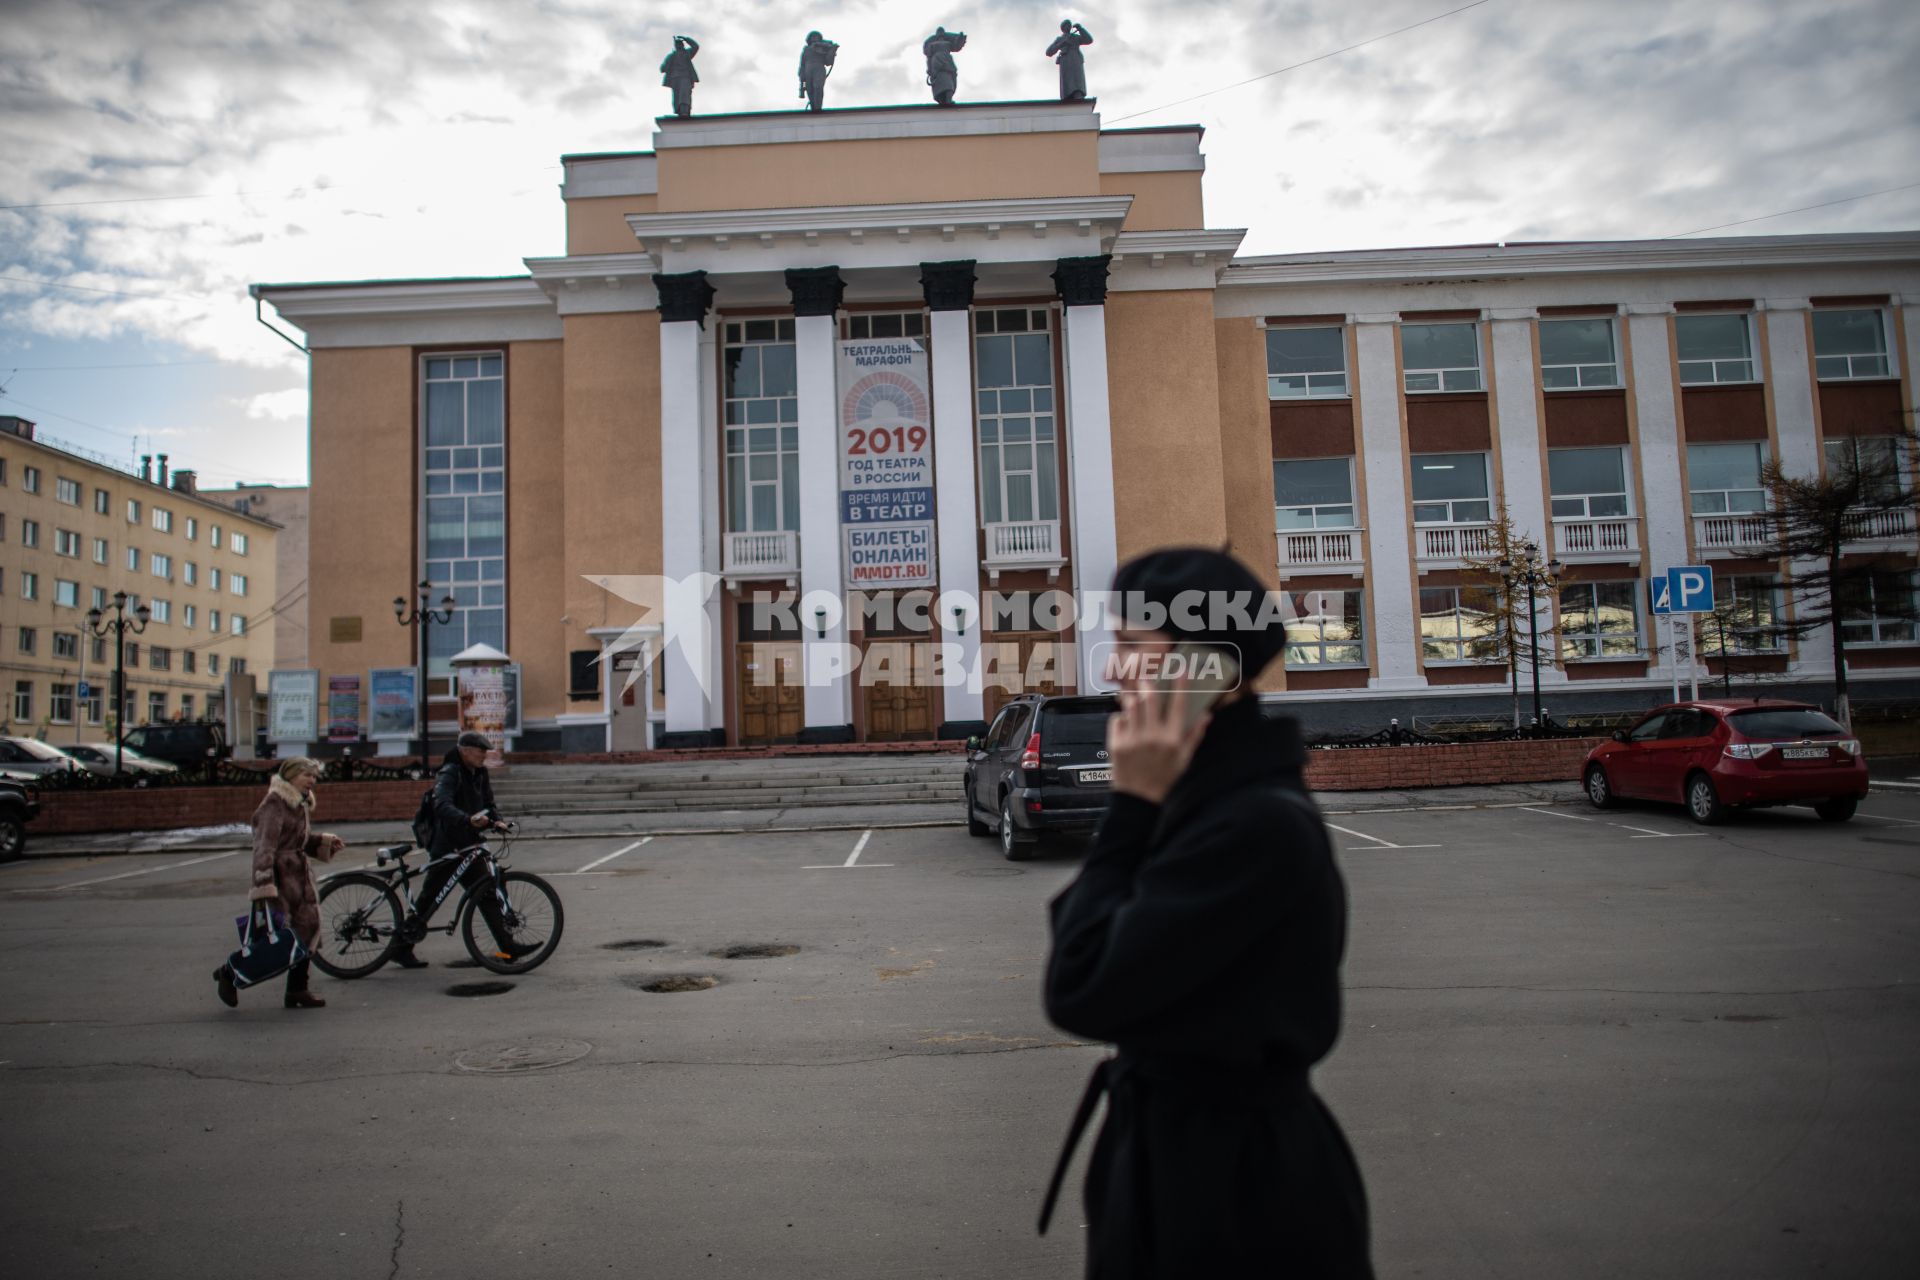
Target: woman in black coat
(1203,939)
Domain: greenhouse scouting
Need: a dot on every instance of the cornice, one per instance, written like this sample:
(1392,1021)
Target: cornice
(403,297)
(1039,217)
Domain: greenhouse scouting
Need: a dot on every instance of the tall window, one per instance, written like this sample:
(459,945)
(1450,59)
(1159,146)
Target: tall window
(30,479)
(466,505)
(67,491)
(1313,493)
(1726,477)
(29,533)
(102,502)
(1441,357)
(1878,462)
(66,543)
(66,645)
(238,541)
(1745,619)
(163,520)
(61,704)
(1587,483)
(162,610)
(238,583)
(1013,373)
(156,708)
(1578,353)
(99,550)
(1600,620)
(193,529)
(1714,348)
(1450,488)
(1458,624)
(887,324)
(763,437)
(1878,609)
(162,566)
(1306,363)
(1324,629)
(23,701)
(1850,344)
(94,705)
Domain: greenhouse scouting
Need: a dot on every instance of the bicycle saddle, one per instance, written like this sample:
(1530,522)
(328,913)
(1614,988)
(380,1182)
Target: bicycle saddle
(392,851)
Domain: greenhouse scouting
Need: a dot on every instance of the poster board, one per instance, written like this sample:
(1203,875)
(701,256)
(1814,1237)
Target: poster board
(886,464)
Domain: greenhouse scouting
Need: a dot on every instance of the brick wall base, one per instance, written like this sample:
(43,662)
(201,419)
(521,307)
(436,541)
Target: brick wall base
(166,809)
(1465,764)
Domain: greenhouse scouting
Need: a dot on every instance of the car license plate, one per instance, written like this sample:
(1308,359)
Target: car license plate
(1096,775)
(1804,753)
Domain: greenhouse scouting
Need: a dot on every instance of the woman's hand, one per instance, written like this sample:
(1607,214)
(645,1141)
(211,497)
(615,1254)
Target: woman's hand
(1147,745)
(335,844)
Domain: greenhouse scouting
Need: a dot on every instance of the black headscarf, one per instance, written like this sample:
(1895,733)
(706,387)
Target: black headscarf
(1229,605)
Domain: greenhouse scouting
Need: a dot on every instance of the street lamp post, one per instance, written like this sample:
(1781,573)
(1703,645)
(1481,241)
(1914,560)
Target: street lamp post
(98,625)
(1530,571)
(423,616)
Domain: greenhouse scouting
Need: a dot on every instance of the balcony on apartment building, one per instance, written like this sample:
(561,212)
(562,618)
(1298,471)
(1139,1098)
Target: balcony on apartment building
(1597,538)
(1451,546)
(761,555)
(1022,544)
(1321,550)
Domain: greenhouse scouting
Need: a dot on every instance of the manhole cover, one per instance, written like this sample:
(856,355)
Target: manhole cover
(755,951)
(527,1055)
(479,988)
(985,872)
(674,983)
(633,944)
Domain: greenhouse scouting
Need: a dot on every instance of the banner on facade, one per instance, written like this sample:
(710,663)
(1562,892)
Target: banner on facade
(293,706)
(886,464)
(393,704)
(343,708)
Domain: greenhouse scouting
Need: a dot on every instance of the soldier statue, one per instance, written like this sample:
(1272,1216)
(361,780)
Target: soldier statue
(677,73)
(1073,64)
(816,64)
(942,75)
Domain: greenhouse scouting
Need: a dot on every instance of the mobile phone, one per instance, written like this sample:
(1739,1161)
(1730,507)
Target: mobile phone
(1210,672)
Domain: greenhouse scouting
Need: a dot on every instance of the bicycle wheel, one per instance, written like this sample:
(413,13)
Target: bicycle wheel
(533,915)
(359,920)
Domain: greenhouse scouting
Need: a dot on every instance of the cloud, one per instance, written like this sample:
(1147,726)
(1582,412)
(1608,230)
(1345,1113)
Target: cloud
(279,406)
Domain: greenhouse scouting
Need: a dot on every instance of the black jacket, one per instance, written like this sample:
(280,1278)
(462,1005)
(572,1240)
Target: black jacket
(1203,938)
(458,794)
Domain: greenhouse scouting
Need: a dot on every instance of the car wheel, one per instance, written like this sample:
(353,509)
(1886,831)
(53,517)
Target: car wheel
(1837,810)
(975,827)
(1599,790)
(1703,802)
(13,837)
(1012,845)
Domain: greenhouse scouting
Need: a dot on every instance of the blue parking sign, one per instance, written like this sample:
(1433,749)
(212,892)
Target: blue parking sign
(83,691)
(1690,589)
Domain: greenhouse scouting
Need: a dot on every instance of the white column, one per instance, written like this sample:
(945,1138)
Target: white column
(1658,421)
(828,703)
(1790,375)
(1383,466)
(1096,549)
(683,487)
(712,517)
(1521,471)
(953,469)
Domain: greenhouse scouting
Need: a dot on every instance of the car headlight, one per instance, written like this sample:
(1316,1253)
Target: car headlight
(1748,750)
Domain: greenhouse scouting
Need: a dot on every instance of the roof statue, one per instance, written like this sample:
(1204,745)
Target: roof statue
(1065,50)
(942,75)
(677,73)
(816,64)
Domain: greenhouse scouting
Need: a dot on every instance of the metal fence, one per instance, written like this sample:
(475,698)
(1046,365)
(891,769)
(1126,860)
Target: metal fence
(225,773)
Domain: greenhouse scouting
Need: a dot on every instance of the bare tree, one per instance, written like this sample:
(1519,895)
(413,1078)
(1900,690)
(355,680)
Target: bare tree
(1838,531)
(1507,642)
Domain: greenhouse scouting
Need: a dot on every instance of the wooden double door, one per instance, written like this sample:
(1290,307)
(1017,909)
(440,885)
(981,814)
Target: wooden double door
(1020,662)
(769,679)
(897,690)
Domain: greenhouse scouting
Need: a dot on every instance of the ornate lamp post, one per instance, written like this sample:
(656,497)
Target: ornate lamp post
(423,616)
(1530,571)
(98,625)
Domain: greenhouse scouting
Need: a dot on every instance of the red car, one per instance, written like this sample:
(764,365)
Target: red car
(1713,756)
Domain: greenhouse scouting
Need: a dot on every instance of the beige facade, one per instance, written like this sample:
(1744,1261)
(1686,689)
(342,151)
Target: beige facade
(286,507)
(73,532)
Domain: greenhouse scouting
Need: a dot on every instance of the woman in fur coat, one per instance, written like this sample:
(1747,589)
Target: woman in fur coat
(282,879)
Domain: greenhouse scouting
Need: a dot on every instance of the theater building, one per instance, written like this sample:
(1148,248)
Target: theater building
(962,362)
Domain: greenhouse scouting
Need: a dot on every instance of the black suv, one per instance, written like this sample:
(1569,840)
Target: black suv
(18,807)
(187,745)
(1041,768)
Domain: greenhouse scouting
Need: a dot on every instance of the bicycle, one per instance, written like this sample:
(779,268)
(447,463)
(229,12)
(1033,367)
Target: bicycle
(361,911)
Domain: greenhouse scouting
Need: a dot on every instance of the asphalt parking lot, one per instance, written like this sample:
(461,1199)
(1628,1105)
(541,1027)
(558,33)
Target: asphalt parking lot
(1578,1044)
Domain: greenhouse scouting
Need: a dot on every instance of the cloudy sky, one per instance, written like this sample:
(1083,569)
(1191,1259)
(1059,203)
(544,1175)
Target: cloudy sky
(157,156)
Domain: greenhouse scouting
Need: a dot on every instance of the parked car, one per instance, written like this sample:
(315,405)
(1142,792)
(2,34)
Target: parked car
(98,757)
(30,755)
(1712,756)
(1042,767)
(18,807)
(188,745)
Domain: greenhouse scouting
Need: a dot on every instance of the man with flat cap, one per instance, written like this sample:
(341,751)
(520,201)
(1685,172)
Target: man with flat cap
(1203,939)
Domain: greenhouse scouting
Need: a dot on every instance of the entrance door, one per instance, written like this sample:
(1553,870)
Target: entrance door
(772,699)
(629,732)
(1013,663)
(899,704)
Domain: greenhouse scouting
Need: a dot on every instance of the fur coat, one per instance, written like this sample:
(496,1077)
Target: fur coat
(282,844)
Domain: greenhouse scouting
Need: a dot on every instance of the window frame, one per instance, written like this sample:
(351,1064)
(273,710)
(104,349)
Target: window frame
(1888,366)
(62,487)
(1460,640)
(1714,363)
(997,483)
(1339,388)
(1440,372)
(1564,637)
(1313,510)
(1875,622)
(1586,512)
(1707,634)
(1727,509)
(472,470)
(1611,367)
(1320,644)
(1453,520)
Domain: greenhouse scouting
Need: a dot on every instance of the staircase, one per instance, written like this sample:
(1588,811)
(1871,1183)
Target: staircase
(772,782)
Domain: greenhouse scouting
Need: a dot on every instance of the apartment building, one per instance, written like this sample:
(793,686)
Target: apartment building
(286,507)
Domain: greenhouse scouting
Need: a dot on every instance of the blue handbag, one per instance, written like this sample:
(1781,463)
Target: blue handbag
(268,947)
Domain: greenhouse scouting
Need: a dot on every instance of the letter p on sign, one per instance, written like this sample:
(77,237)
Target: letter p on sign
(1690,589)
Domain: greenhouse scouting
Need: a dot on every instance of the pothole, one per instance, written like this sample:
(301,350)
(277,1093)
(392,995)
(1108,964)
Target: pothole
(479,988)
(755,951)
(526,1055)
(673,983)
(986,872)
(633,944)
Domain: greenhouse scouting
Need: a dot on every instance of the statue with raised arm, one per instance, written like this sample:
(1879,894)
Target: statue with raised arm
(816,64)
(1073,64)
(942,75)
(677,73)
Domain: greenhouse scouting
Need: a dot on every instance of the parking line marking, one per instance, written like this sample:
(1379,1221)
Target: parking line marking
(1571,817)
(853,862)
(128,875)
(610,857)
(1888,782)
(1881,817)
(1384,844)
(1658,835)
